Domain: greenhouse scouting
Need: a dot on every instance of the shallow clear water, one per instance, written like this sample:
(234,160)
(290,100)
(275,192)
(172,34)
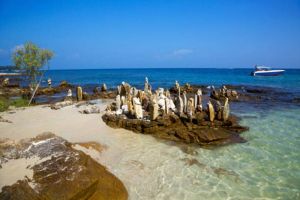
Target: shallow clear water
(266,167)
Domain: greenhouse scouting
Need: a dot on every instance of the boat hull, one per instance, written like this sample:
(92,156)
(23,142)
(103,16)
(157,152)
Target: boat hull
(268,73)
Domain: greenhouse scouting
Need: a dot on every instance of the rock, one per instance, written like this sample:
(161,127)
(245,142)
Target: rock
(184,102)
(103,88)
(60,105)
(134,92)
(125,89)
(198,100)
(226,110)
(161,101)
(124,108)
(153,109)
(60,172)
(119,112)
(119,89)
(137,108)
(123,100)
(171,104)
(187,87)
(86,96)
(97,90)
(166,111)
(64,84)
(228,93)
(179,105)
(177,86)
(219,110)
(211,111)
(145,103)
(79,93)
(129,105)
(69,93)
(180,129)
(190,108)
(5,82)
(118,102)
(4,120)
(168,95)
(91,110)
(141,95)
(234,93)
(147,87)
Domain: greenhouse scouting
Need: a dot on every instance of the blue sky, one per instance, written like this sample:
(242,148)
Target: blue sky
(156,33)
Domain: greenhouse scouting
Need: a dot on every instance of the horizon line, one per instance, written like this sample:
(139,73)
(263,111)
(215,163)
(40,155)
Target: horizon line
(116,68)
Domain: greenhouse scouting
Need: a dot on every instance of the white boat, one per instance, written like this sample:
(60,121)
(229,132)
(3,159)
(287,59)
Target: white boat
(266,71)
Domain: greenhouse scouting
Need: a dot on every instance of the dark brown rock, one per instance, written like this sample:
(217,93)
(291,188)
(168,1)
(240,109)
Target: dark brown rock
(66,174)
(180,129)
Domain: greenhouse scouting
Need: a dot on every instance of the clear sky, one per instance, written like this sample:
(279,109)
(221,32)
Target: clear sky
(155,33)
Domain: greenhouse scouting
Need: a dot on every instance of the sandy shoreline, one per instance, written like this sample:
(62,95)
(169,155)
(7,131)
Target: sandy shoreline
(75,127)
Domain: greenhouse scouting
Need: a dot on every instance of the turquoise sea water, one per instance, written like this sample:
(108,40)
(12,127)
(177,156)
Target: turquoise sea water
(267,166)
(167,77)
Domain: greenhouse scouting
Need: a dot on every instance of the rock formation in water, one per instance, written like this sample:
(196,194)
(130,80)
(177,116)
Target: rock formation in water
(61,172)
(186,121)
(223,93)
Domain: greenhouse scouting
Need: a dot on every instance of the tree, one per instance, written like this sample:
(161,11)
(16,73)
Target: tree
(30,59)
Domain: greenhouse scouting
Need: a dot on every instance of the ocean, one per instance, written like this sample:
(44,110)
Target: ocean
(166,77)
(267,166)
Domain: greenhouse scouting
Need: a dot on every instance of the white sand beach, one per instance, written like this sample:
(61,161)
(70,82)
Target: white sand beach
(128,155)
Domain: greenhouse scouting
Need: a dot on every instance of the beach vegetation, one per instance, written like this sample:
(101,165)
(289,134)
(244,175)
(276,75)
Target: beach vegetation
(30,59)
(21,102)
(6,102)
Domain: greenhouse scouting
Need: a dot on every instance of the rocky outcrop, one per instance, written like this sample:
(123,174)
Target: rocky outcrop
(223,93)
(186,120)
(61,173)
(181,129)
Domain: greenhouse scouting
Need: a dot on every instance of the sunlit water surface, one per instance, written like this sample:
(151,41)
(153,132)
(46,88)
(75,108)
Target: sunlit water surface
(266,167)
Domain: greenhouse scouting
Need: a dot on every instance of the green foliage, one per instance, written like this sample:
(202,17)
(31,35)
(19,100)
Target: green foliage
(30,59)
(19,102)
(4,104)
